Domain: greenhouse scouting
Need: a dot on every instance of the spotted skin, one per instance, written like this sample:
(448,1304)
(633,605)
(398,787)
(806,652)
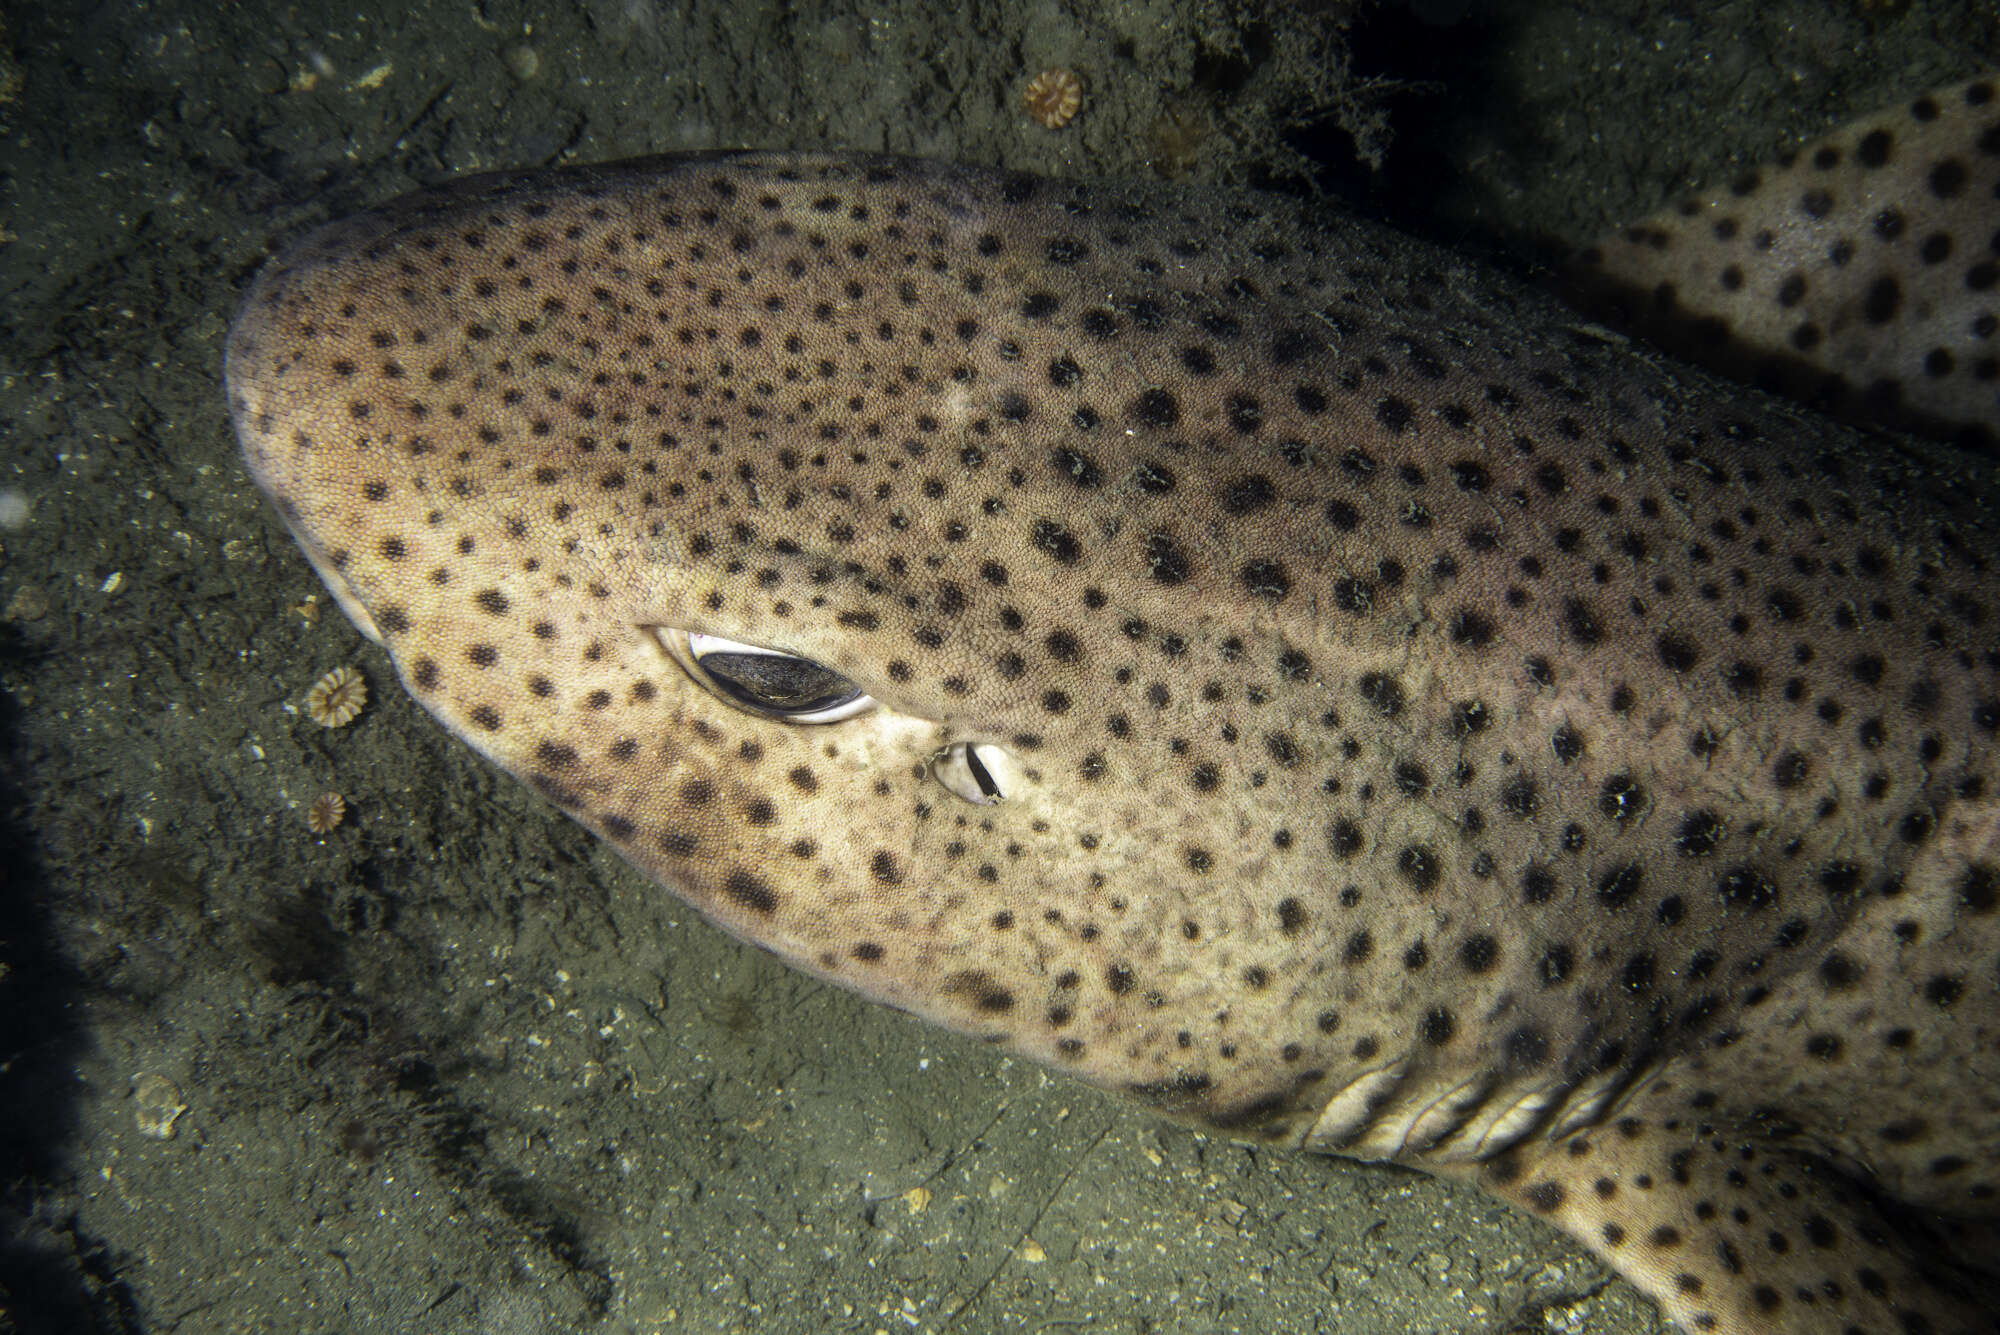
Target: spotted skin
(1443,733)
(1862,271)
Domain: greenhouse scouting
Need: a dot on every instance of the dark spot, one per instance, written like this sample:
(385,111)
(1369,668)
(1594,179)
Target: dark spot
(1884,299)
(1382,691)
(1617,886)
(1743,679)
(1944,991)
(1266,579)
(1839,972)
(1621,798)
(1979,889)
(1567,743)
(1479,953)
(1351,594)
(1394,413)
(1546,1197)
(1581,619)
(987,995)
(1419,865)
(555,755)
(1471,628)
(1526,1049)
(1247,495)
(1057,542)
(750,891)
(1678,652)
(1156,408)
(1521,796)
(1699,833)
(1079,468)
(1538,884)
(1471,475)
(1746,887)
(1166,561)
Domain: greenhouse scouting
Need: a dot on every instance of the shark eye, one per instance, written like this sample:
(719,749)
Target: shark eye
(979,772)
(764,681)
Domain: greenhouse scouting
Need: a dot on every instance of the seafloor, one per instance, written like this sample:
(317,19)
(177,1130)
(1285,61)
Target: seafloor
(452,1067)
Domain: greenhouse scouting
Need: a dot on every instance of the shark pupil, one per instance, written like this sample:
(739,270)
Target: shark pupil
(777,683)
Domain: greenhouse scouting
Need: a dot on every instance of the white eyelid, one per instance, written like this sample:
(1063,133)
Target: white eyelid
(701,646)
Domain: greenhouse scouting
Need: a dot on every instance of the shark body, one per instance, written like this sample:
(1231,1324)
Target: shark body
(1235,656)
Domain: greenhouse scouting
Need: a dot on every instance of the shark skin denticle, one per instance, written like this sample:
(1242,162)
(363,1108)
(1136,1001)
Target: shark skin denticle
(1272,668)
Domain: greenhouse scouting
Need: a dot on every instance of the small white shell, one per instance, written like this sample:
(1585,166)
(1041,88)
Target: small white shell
(159,1105)
(1054,97)
(325,812)
(337,699)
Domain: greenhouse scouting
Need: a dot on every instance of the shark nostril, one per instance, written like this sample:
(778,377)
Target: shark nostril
(764,681)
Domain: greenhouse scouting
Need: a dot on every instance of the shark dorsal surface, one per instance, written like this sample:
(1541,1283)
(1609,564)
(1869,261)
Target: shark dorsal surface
(1234,655)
